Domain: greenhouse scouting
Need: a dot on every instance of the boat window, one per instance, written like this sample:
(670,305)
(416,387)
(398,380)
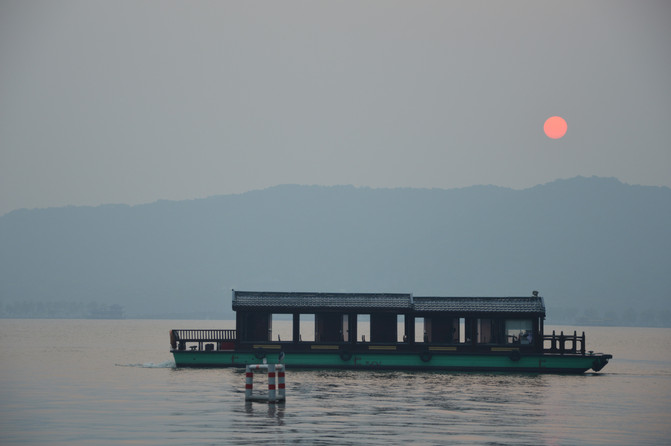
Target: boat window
(400,328)
(489,331)
(345,328)
(363,327)
(519,331)
(281,327)
(485,331)
(307,327)
(421,334)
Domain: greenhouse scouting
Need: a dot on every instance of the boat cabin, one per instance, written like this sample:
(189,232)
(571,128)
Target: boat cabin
(404,321)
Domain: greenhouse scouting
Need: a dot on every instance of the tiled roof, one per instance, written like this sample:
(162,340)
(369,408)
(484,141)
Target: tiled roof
(529,304)
(277,301)
(328,301)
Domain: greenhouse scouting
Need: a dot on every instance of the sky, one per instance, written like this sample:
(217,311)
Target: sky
(135,101)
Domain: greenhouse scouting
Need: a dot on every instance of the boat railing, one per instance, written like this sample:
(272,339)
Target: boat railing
(564,343)
(220,337)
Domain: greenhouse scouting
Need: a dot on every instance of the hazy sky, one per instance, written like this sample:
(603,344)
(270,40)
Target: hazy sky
(134,101)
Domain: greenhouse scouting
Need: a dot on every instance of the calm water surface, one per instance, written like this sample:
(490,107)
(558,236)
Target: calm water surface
(93,382)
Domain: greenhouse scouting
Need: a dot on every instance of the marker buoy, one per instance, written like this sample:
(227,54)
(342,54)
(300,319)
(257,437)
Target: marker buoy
(276,384)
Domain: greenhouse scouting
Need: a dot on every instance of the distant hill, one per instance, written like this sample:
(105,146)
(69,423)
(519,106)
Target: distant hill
(597,249)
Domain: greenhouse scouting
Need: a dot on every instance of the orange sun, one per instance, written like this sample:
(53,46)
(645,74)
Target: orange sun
(555,127)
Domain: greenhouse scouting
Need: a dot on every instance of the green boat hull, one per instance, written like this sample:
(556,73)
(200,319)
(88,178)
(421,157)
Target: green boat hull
(534,363)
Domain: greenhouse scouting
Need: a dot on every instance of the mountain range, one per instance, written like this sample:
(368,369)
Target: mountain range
(597,249)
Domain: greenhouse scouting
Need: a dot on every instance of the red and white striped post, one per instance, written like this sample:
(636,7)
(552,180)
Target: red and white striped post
(282,394)
(249,382)
(276,390)
(271,382)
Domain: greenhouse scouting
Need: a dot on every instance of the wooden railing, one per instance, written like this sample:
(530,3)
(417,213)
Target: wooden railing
(564,343)
(204,335)
(181,337)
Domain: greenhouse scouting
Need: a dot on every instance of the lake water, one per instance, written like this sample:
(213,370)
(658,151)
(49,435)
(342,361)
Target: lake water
(104,382)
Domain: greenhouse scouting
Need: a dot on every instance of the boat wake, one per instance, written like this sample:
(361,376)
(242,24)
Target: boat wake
(151,365)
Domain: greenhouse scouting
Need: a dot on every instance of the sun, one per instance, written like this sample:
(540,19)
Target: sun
(555,127)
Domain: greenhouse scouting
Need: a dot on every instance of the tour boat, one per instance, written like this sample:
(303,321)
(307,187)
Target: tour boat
(388,331)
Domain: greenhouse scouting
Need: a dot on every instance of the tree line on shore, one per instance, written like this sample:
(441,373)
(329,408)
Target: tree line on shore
(60,310)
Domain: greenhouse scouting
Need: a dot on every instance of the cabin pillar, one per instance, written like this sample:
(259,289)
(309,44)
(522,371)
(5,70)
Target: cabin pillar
(409,335)
(537,341)
(351,322)
(238,326)
(296,327)
(255,326)
(443,329)
(328,327)
(470,330)
(383,327)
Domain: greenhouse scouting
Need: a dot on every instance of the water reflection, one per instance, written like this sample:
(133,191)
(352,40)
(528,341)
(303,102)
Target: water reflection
(270,410)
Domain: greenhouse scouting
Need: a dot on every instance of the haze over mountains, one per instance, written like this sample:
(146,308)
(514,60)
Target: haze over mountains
(598,250)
